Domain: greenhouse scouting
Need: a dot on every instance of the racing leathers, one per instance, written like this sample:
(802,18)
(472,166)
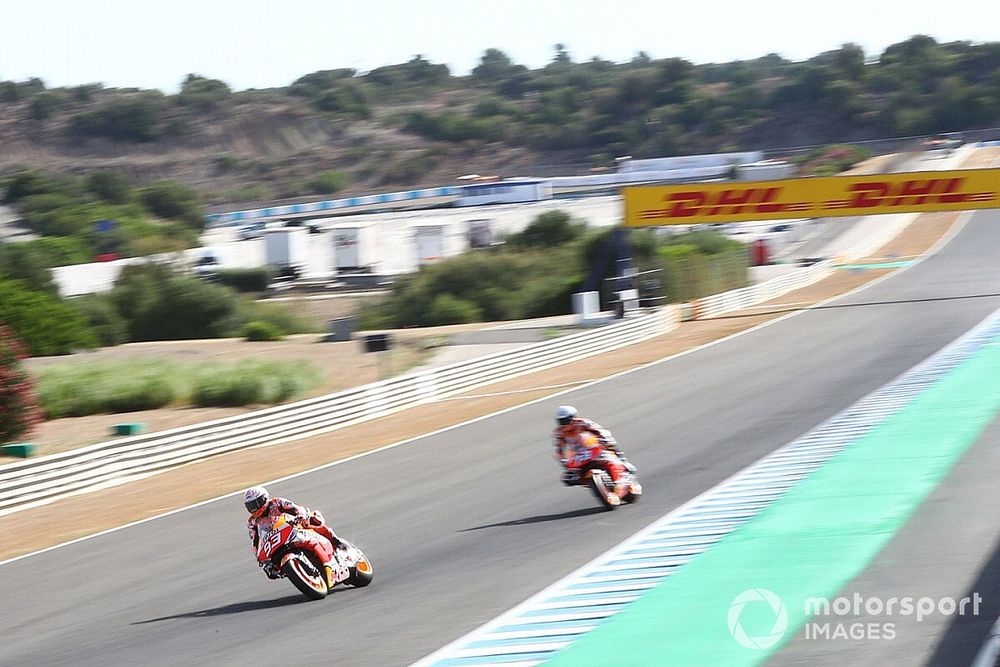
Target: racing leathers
(259,524)
(570,448)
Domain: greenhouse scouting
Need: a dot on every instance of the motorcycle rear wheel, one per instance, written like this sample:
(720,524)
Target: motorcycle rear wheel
(311,584)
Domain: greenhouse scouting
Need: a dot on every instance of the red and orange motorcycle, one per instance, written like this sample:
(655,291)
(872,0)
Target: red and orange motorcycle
(298,553)
(590,464)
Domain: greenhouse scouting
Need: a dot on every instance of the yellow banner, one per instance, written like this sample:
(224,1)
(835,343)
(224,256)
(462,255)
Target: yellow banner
(821,197)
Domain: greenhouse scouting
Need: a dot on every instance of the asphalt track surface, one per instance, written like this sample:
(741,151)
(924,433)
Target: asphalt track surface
(465,524)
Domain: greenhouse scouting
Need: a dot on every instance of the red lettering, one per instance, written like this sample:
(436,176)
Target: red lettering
(918,189)
(763,205)
(949,196)
(868,195)
(686,204)
(738,199)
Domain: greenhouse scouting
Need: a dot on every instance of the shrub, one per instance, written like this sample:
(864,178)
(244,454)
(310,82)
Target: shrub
(86,388)
(26,262)
(281,317)
(447,309)
(135,118)
(205,94)
(103,318)
(328,182)
(547,230)
(160,305)
(261,331)
(18,401)
(251,383)
(245,280)
(110,186)
(172,200)
(46,324)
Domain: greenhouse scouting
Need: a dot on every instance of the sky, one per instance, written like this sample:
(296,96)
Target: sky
(262,44)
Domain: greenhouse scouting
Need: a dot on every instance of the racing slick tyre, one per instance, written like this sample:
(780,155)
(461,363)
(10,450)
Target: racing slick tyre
(599,486)
(306,575)
(362,573)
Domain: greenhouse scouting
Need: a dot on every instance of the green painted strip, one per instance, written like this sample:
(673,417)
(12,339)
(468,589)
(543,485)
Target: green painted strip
(809,543)
(880,265)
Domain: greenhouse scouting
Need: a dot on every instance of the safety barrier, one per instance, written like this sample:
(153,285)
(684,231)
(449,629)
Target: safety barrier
(47,478)
(329,205)
(745,297)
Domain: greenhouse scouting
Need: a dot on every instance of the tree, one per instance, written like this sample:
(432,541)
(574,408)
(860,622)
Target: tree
(26,261)
(494,65)
(562,56)
(547,230)
(46,324)
(171,200)
(206,94)
(18,403)
(110,186)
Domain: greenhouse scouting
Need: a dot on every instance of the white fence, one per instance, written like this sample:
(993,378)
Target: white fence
(47,478)
(750,296)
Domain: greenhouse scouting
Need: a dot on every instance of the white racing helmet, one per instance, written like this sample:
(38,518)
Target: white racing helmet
(564,413)
(255,498)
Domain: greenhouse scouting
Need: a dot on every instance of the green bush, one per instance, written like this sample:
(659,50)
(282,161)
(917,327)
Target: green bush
(158,304)
(134,118)
(328,182)
(281,317)
(26,262)
(547,230)
(172,200)
(245,280)
(205,94)
(103,318)
(84,388)
(46,324)
(110,186)
(447,309)
(261,331)
(251,383)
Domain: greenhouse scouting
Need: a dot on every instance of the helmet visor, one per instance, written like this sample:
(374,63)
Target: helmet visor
(564,420)
(255,504)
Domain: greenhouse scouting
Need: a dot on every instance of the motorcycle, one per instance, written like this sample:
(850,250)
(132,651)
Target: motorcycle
(297,553)
(590,466)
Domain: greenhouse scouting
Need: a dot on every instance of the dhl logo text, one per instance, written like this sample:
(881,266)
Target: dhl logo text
(908,193)
(724,202)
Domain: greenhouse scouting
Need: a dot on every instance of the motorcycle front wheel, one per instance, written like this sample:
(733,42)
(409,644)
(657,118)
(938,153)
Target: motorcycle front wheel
(362,572)
(600,488)
(307,576)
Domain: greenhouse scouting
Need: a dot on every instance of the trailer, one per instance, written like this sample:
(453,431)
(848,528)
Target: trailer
(505,192)
(435,241)
(355,247)
(285,250)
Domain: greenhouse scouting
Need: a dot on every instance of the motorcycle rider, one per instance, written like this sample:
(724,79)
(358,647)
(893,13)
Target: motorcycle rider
(569,427)
(265,509)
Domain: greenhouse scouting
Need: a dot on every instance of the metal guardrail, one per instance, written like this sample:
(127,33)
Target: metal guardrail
(47,478)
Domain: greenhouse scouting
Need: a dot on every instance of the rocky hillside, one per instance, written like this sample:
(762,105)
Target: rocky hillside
(414,124)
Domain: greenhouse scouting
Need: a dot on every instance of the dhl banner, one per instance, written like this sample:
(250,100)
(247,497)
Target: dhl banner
(821,197)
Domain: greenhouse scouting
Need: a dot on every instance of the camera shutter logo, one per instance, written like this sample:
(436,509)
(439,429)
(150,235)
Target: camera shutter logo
(757,595)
